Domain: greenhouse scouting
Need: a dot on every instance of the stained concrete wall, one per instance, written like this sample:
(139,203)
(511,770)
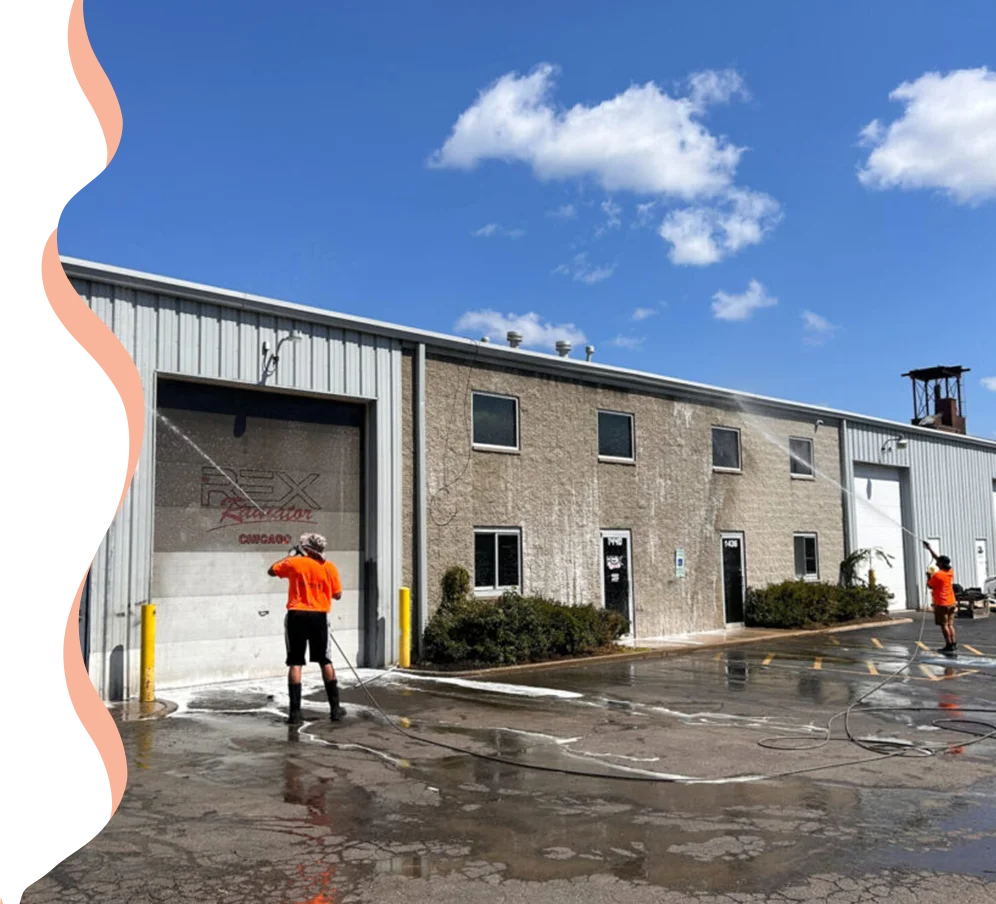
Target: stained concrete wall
(561,496)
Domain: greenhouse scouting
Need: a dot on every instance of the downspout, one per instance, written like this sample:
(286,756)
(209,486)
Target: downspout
(846,481)
(421,541)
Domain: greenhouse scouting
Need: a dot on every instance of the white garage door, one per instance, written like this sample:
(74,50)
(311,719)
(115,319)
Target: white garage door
(269,469)
(879,517)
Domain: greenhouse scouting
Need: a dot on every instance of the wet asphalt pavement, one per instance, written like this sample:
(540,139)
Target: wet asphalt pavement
(226,803)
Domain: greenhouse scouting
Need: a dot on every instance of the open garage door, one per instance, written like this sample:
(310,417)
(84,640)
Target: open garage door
(879,520)
(240,475)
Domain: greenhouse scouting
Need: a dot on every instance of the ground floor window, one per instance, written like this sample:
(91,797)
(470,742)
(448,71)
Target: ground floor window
(497,559)
(807,564)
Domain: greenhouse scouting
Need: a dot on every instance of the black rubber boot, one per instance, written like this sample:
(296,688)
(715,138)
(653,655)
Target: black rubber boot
(337,713)
(294,713)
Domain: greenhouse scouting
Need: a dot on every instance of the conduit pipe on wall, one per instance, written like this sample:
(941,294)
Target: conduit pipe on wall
(421,550)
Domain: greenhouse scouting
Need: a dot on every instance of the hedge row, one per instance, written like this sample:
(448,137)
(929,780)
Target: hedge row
(804,604)
(513,629)
(472,633)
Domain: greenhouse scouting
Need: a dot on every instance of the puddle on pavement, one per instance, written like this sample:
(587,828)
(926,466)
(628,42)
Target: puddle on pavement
(414,866)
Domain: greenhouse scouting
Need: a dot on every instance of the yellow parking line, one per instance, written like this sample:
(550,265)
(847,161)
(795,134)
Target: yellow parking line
(922,645)
(877,642)
(818,663)
(768,658)
(834,641)
(718,656)
(975,651)
(871,668)
(929,673)
(960,674)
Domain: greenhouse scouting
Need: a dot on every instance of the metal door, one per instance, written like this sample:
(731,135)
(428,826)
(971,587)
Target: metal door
(981,563)
(734,585)
(617,584)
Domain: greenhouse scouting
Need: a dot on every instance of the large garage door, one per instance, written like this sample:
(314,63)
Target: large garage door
(879,516)
(240,475)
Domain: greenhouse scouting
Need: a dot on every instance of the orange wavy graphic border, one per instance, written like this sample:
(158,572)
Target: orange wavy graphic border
(73,422)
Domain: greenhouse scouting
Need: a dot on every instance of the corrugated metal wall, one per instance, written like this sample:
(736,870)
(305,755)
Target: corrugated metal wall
(949,494)
(173,336)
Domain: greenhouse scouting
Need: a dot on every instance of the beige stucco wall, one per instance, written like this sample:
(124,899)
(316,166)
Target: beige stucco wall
(561,496)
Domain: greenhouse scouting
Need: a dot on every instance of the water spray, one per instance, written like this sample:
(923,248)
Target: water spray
(206,457)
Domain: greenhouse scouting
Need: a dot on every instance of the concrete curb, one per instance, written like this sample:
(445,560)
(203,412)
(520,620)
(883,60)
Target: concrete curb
(637,655)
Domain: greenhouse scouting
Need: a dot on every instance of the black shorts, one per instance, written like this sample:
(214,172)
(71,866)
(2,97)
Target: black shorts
(307,630)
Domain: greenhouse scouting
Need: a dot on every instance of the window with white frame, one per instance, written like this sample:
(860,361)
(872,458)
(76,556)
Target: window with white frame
(807,559)
(726,449)
(615,436)
(497,559)
(801,457)
(495,421)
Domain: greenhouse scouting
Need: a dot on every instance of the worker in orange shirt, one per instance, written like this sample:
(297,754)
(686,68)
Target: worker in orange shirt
(941,584)
(314,583)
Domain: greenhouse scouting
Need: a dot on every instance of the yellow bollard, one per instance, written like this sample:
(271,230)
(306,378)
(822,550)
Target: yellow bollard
(405,612)
(148,691)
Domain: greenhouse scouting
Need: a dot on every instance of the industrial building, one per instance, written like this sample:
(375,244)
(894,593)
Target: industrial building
(414,451)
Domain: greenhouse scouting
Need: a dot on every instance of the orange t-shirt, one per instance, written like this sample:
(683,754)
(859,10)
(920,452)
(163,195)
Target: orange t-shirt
(313,584)
(940,587)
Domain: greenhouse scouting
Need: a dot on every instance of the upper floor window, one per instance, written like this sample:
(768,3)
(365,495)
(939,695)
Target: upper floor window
(615,436)
(496,421)
(801,457)
(726,449)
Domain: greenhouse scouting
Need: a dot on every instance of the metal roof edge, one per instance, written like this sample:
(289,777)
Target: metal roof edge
(546,363)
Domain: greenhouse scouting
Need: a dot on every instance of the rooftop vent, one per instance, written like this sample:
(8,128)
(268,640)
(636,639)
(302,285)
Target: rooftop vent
(514,338)
(589,352)
(563,348)
(485,338)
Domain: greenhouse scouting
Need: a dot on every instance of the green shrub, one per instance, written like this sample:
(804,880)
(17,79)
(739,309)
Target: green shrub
(515,629)
(456,586)
(807,604)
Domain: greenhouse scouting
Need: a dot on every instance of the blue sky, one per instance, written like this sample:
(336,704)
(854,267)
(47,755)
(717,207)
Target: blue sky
(774,197)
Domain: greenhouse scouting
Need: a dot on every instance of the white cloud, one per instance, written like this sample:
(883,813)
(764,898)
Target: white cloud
(644,214)
(705,234)
(642,140)
(613,216)
(945,139)
(580,270)
(564,212)
(726,306)
(716,86)
(494,229)
(644,313)
(535,332)
(817,329)
(989,383)
(630,342)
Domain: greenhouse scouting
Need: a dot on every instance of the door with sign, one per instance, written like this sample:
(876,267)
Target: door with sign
(734,585)
(617,583)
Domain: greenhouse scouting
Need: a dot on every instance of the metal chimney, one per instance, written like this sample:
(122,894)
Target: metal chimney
(589,351)
(563,348)
(514,338)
